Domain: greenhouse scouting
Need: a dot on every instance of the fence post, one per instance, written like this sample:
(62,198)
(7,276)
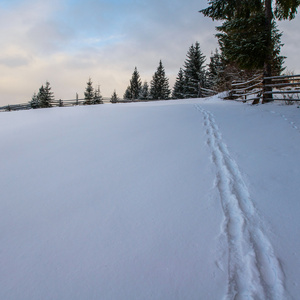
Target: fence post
(267,88)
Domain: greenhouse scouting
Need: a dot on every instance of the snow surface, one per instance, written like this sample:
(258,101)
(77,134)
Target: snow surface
(189,199)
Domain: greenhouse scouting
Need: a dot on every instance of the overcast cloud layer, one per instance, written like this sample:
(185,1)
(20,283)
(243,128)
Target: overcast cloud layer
(68,41)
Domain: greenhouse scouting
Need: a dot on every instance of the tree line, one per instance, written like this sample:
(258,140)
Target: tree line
(193,76)
(249,42)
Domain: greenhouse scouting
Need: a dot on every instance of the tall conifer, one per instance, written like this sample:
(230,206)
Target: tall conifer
(160,84)
(135,84)
(89,93)
(194,72)
(179,86)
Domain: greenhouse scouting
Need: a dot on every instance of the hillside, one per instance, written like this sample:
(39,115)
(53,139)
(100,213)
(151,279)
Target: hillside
(186,199)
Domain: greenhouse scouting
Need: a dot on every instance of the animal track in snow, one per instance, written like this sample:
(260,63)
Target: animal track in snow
(254,271)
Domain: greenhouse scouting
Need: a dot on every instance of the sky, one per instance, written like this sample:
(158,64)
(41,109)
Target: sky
(66,42)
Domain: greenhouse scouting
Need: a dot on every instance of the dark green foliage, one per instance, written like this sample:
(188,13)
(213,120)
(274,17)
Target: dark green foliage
(127,95)
(43,98)
(114,98)
(243,41)
(215,73)
(144,93)
(194,72)
(97,96)
(179,86)
(160,84)
(249,36)
(286,9)
(47,97)
(89,93)
(34,103)
(229,9)
(135,84)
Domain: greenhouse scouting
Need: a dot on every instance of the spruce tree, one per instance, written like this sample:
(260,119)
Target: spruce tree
(45,96)
(179,86)
(194,72)
(89,93)
(135,84)
(34,103)
(160,84)
(144,93)
(97,96)
(127,95)
(114,98)
(215,72)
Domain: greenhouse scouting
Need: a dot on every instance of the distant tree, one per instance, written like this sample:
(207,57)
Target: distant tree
(194,72)
(89,93)
(128,94)
(179,86)
(114,97)
(97,96)
(160,84)
(34,102)
(144,93)
(215,72)
(135,84)
(44,97)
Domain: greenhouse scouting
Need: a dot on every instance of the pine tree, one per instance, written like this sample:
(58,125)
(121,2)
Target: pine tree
(89,93)
(34,103)
(127,95)
(144,93)
(160,84)
(135,84)
(97,96)
(194,72)
(179,86)
(215,72)
(243,41)
(45,96)
(114,98)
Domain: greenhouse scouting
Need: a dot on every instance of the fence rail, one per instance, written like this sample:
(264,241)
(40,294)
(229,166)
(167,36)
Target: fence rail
(72,102)
(284,88)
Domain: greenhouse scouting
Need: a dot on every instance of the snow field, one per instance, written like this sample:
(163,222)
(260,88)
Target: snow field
(191,199)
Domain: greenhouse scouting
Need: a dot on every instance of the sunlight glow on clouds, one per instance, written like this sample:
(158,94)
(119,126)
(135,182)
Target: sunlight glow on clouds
(68,41)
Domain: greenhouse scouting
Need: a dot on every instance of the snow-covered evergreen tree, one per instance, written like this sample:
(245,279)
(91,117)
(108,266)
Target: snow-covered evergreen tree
(127,95)
(144,93)
(89,93)
(34,102)
(45,96)
(179,86)
(114,97)
(97,96)
(160,84)
(215,72)
(135,84)
(194,72)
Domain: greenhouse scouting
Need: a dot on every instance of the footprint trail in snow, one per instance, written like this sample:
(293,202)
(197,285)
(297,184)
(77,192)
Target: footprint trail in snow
(254,271)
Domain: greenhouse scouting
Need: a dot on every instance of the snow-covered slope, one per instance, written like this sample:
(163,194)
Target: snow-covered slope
(190,199)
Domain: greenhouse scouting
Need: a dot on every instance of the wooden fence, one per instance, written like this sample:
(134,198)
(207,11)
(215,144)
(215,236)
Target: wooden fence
(284,88)
(207,92)
(53,103)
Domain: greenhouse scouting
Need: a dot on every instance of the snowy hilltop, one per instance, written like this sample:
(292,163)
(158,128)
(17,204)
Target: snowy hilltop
(179,199)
